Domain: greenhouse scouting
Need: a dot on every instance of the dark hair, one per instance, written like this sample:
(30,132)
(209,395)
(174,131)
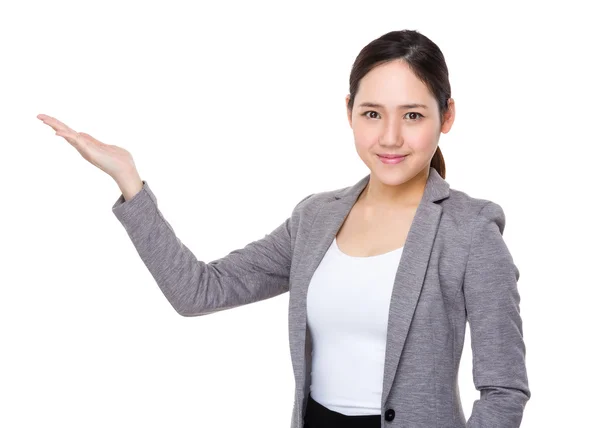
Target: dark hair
(422,56)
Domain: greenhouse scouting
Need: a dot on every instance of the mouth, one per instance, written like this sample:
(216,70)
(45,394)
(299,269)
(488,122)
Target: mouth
(391,159)
(392,156)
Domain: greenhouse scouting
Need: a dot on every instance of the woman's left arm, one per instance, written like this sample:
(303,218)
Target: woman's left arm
(492,305)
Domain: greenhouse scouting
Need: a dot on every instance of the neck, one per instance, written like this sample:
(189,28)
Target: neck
(405,195)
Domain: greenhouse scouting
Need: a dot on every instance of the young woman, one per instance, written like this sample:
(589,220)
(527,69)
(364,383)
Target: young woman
(382,275)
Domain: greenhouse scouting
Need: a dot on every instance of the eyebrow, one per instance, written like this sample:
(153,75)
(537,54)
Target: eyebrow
(402,106)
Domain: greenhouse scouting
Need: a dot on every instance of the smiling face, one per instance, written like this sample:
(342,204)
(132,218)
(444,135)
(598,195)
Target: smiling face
(384,122)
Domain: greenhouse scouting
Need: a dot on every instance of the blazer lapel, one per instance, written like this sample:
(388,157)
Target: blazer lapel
(407,284)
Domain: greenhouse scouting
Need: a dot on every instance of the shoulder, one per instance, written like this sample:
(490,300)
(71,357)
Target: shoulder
(469,211)
(471,225)
(315,200)
(310,204)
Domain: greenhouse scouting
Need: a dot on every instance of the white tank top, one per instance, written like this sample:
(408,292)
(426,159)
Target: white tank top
(348,304)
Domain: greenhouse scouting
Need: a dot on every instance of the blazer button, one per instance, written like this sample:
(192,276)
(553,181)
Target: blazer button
(389,415)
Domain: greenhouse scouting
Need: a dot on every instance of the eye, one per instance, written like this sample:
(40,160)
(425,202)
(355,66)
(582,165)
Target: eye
(366,114)
(414,112)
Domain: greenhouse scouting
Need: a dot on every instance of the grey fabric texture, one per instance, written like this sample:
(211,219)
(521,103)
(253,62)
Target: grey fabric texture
(455,270)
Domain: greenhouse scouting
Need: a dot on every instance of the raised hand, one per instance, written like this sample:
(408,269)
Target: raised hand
(113,160)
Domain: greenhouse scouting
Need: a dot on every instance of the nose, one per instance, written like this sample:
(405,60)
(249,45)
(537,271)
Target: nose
(391,133)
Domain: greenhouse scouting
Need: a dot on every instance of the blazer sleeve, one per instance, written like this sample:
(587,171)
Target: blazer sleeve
(492,305)
(258,271)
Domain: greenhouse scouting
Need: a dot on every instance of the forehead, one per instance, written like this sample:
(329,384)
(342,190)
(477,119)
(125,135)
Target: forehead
(393,83)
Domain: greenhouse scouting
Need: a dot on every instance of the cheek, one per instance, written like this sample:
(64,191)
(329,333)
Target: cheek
(426,138)
(421,138)
(364,137)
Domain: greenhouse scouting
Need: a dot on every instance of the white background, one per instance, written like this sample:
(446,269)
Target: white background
(234,111)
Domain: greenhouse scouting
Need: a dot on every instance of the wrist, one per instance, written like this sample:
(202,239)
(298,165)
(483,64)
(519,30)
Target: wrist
(129,185)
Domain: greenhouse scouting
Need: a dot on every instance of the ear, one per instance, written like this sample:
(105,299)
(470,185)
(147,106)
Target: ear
(448,118)
(348,112)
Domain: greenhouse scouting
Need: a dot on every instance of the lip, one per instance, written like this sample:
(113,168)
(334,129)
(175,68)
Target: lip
(391,160)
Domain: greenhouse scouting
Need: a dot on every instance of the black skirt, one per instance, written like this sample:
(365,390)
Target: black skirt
(319,416)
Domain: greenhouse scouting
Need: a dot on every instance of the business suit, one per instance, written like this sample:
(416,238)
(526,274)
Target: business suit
(454,267)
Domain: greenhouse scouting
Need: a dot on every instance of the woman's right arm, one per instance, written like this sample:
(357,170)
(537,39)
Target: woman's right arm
(256,272)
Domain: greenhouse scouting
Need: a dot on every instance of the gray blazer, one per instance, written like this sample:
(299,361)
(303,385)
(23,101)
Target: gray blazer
(455,267)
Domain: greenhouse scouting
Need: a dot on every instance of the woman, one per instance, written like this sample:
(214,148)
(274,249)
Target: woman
(382,275)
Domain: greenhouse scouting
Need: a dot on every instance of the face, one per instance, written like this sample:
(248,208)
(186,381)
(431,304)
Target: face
(384,126)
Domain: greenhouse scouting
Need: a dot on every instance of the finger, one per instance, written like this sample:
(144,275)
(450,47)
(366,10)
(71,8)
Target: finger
(72,137)
(54,123)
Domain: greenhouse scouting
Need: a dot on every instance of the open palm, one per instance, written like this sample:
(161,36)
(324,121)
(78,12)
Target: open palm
(113,160)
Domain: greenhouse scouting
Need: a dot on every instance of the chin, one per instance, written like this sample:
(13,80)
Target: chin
(394,176)
(393,181)
(391,178)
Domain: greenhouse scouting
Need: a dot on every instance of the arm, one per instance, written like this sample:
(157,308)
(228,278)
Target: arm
(492,304)
(256,272)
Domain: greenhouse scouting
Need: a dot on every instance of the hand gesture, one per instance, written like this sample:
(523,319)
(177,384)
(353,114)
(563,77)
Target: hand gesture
(113,160)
